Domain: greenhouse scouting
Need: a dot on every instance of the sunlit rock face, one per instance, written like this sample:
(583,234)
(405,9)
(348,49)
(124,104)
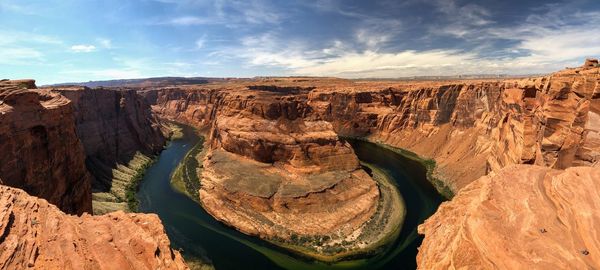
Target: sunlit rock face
(476,127)
(37,235)
(41,152)
(523,217)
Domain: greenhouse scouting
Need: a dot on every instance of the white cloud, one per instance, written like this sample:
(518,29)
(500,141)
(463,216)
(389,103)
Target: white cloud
(105,43)
(22,48)
(376,32)
(19,56)
(81,48)
(19,38)
(200,42)
(229,13)
(190,20)
(12,6)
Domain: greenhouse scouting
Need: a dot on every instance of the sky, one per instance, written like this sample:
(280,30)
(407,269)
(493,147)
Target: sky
(56,41)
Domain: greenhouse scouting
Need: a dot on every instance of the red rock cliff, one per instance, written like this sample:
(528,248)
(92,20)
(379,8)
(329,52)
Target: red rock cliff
(470,128)
(113,125)
(41,152)
(36,235)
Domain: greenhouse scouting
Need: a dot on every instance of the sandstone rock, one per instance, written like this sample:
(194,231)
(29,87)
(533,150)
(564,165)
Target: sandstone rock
(37,235)
(590,63)
(287,128)
(292,174)
(524,217)
(119,134)
(272,171)
(41,152)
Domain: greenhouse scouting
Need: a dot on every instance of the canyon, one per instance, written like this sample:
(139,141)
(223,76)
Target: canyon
(45,146)
(517,157)
(291,127)
(120,136)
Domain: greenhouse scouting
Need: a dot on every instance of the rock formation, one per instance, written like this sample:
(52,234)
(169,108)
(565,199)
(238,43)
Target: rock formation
(285,128)
(524,217)
(470,128)
(41,152)
(288,172)
(37,235)
(120,135)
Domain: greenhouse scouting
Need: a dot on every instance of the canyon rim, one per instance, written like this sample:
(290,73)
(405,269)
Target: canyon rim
(260,134)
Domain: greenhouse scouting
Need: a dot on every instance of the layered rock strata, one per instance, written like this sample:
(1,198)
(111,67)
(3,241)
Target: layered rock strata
(271,171)
(120,135)
(470,128)
(475,128)
(277,175)
(524,217)
(41,152)
(35,234)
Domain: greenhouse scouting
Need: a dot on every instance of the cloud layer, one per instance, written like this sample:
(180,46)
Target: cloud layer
(53,41)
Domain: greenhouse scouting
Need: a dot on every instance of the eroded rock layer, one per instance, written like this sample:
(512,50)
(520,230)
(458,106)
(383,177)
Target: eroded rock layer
(524,217)
(285,131)
(37,235)
(120,135)
(470,128)
(41,152)
(271,170)
(277,175)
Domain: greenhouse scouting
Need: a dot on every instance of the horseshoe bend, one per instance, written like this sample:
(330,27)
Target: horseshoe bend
(278,163)
(309,135)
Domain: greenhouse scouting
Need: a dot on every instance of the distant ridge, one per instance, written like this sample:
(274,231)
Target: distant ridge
(144,82)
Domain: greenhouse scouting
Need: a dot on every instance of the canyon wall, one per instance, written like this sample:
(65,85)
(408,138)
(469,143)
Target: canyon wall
(471,128)
(120,135)
(41,152)
(37,235)
(270,170)
(474,128)
(114,124)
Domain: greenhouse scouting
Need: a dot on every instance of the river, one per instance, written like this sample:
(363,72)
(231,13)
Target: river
(198,235)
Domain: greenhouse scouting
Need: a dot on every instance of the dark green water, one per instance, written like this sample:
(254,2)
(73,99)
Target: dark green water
(194,231)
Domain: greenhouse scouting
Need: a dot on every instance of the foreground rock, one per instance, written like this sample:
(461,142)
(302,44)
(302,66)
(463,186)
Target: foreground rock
(36,234)
(39,148)
(525,217)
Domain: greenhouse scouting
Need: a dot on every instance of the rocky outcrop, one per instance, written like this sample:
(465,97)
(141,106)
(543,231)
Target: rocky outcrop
(41,152)
(37,235)
(524,217)
(119,134)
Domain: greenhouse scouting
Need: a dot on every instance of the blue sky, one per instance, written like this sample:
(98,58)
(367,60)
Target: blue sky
(65,40)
